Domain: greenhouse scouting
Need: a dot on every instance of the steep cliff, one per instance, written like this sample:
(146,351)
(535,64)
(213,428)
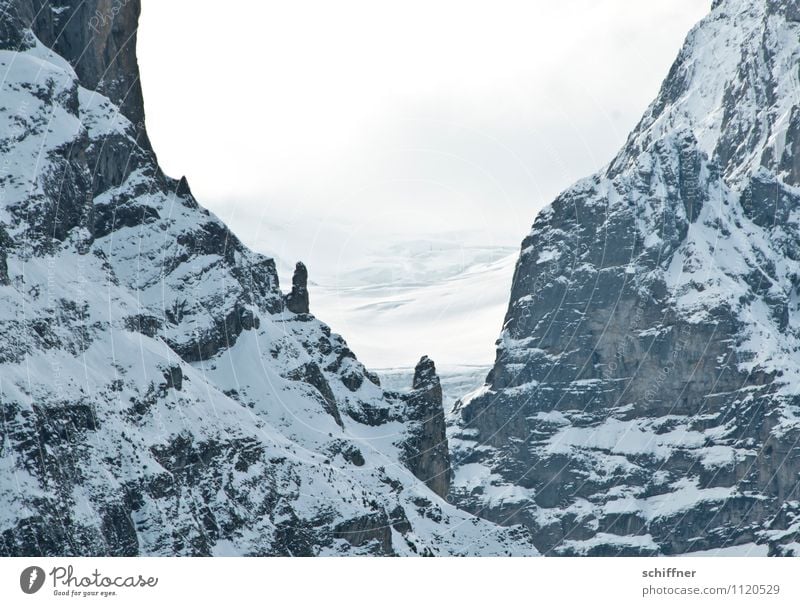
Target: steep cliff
(645,397)
(426,449)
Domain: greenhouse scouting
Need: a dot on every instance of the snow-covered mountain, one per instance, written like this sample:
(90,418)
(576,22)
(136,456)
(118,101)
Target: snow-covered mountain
(645,397)
(160,395)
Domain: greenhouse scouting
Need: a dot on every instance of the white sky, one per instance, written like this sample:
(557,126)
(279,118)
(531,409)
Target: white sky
(394,121)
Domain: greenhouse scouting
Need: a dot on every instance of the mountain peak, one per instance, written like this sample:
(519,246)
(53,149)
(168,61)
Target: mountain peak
(733,87)
(425,373)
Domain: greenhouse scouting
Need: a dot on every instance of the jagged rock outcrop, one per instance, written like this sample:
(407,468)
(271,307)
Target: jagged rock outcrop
(644,398)
(297,299)
(157,395)
(426,452)
(5,244)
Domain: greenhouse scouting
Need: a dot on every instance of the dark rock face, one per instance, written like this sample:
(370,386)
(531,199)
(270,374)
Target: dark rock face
(310,373)
(426,451)
(98,37)
(220,336)
(646,377)
(368,530)
(297,299)
(5,244)
(790,163)
(109,218)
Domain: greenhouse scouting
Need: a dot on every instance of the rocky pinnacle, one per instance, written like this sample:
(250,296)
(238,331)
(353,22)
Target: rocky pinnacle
(427,453)
(297,299)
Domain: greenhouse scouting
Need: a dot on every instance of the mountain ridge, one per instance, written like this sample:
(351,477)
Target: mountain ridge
(648,355)
(160,394)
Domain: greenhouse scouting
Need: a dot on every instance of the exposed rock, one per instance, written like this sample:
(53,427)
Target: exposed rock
(790,162)
(297,299)
(310,373)
(5,245)
(173,377)
(144,324)
(98,37)
(372,530)
(426,450)
(205,344)
(109,218)
(399,521)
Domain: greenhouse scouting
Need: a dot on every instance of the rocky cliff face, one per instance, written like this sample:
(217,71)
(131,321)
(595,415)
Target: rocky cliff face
(426,452)
(646,392)
(159,394)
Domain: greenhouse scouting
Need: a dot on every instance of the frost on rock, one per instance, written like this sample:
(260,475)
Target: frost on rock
(159,394)
(644,398)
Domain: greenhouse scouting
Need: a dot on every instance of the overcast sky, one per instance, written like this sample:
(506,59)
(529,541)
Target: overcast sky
(319,129)
(468,114)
